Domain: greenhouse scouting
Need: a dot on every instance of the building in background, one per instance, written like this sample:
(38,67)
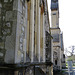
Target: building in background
(25,38)
(58,47)
(63,63)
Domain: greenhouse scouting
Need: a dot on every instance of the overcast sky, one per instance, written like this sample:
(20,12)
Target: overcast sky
(67,21)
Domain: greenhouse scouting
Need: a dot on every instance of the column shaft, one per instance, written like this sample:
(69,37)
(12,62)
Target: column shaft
(28,26)
(32,30)
(36,27)
(43,39)
(38,31)
(41,36)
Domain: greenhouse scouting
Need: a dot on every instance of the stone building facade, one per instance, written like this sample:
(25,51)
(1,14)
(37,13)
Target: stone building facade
(63,64)
(25,38)
(58,47)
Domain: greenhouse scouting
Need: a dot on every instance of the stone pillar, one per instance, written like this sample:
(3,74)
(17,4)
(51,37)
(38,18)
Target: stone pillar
(31,30)
(28,22)
(36,27)
(24,50)
(43,39)
(25,40)
(42,34)
(38,30)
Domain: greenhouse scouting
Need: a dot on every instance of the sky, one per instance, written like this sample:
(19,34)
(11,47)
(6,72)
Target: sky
(66,21)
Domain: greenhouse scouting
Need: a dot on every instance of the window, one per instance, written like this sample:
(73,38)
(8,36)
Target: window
(55,62)
(54,13)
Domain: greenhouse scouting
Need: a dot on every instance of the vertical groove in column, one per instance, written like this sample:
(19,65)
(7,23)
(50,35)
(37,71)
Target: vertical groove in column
(38,31)
(32,30)
(43,40)
(41,37)
(28,25)
(36,28)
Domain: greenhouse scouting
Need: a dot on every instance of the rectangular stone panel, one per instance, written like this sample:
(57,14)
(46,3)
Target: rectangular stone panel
(55,37)
(9,17)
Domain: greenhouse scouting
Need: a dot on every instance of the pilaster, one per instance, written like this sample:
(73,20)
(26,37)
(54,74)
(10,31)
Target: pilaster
(41,37)
(38,31)
(31,53)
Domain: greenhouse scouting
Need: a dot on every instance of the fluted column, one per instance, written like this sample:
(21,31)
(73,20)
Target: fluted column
(36,27)
(41,35)
(28,26)
(31,30)
(43,39)
(38,30)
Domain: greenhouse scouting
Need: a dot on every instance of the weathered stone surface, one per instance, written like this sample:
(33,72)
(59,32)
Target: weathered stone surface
(15,5)
(48,46)
(5,0)
(0,5)
(9,17)
(10,45)
(55,37)
(1,44)
(1,54)
(14,16)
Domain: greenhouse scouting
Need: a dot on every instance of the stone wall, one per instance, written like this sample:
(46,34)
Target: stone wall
(8,30)
(25,36)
